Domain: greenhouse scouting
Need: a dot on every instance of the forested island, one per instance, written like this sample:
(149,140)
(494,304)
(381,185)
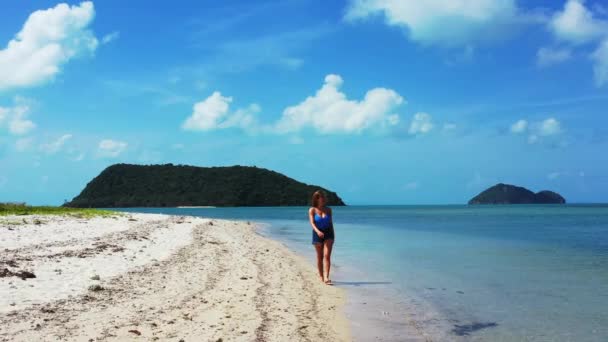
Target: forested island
(168,185)
(511,194)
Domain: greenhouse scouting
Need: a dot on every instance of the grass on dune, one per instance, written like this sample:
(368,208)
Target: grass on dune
(23,209)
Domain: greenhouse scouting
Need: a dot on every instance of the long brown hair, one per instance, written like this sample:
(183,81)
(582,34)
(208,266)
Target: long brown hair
(315,197)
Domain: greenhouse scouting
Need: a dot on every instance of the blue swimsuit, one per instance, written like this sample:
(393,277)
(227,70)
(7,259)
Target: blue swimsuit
(325,225)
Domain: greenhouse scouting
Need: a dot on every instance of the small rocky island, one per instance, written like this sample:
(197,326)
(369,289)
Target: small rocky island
(127,185)
(511,194)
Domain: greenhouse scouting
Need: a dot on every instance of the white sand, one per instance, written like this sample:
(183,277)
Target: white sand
(162,277)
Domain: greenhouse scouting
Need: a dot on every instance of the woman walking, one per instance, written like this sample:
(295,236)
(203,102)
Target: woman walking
(320,217)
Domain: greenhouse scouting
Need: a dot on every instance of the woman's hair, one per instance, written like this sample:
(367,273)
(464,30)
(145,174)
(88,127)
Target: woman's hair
(315,197)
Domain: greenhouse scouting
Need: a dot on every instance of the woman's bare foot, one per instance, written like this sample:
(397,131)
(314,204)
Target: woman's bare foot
(328,282)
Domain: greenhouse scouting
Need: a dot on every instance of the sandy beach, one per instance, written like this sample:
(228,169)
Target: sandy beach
(158,277)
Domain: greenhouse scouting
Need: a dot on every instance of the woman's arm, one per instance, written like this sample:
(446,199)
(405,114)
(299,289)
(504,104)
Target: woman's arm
(311,218)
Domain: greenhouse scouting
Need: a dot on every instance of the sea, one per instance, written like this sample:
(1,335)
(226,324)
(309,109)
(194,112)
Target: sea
(457,273)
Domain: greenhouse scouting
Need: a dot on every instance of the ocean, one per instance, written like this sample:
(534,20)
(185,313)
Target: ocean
(457,273)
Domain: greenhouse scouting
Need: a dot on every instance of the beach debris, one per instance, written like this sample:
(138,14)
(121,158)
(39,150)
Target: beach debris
(95,277)
(210,223)
(47,310)
(244,278)
(37,222)
(132,219)
(96,288)
(136,332)
(10,263)
(4,273)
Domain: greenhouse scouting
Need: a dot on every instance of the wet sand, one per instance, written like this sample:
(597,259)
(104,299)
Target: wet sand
(158,277)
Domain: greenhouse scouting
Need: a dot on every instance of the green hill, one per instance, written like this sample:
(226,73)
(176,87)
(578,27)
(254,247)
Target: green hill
(126,185)
(511,194)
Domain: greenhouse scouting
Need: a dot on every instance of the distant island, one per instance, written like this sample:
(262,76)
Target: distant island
(168,185)
(511,194)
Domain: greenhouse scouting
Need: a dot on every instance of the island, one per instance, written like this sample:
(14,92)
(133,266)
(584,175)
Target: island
(168,185)
(511,194)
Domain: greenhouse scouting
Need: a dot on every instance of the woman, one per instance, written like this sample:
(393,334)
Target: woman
(322,233)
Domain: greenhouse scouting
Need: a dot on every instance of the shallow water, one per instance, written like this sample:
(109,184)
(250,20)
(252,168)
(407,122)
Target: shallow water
(482,273)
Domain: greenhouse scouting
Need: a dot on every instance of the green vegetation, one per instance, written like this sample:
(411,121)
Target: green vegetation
(126,185)
(23,209)
(510,194)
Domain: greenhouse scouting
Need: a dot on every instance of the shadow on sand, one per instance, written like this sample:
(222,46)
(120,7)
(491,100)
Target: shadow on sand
(467,329)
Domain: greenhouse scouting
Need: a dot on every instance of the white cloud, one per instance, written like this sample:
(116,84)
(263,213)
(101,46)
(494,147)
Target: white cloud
(110,37)
(23,144)
(330,111)
(111,148)
(577,24)
(600,67)
(519,127)
(421,124)
(550,56)
(55,146)
(549,127)
(537,130)
(440,22)
(207,114)
(18,123)
(49,39)
(214,113)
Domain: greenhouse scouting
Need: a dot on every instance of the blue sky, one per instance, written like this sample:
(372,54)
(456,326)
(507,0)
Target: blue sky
(385,102)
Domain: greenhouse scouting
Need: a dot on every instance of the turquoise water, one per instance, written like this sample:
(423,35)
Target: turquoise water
(483,273)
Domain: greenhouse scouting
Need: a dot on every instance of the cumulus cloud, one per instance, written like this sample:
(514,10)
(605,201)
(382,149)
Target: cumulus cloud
(111,148)
(56,145)
(537,130)
(327,111)
(549,127)
(330,111)
(421,124)
(551,56)
(214,113)
(48,39)
(577,24)
(439,22)
(519,127)
(16,117)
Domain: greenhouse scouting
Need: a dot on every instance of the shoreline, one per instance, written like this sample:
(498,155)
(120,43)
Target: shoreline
(160,277)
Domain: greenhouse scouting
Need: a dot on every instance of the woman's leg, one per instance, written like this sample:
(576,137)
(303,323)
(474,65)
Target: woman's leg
(319,249)
(327,247)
